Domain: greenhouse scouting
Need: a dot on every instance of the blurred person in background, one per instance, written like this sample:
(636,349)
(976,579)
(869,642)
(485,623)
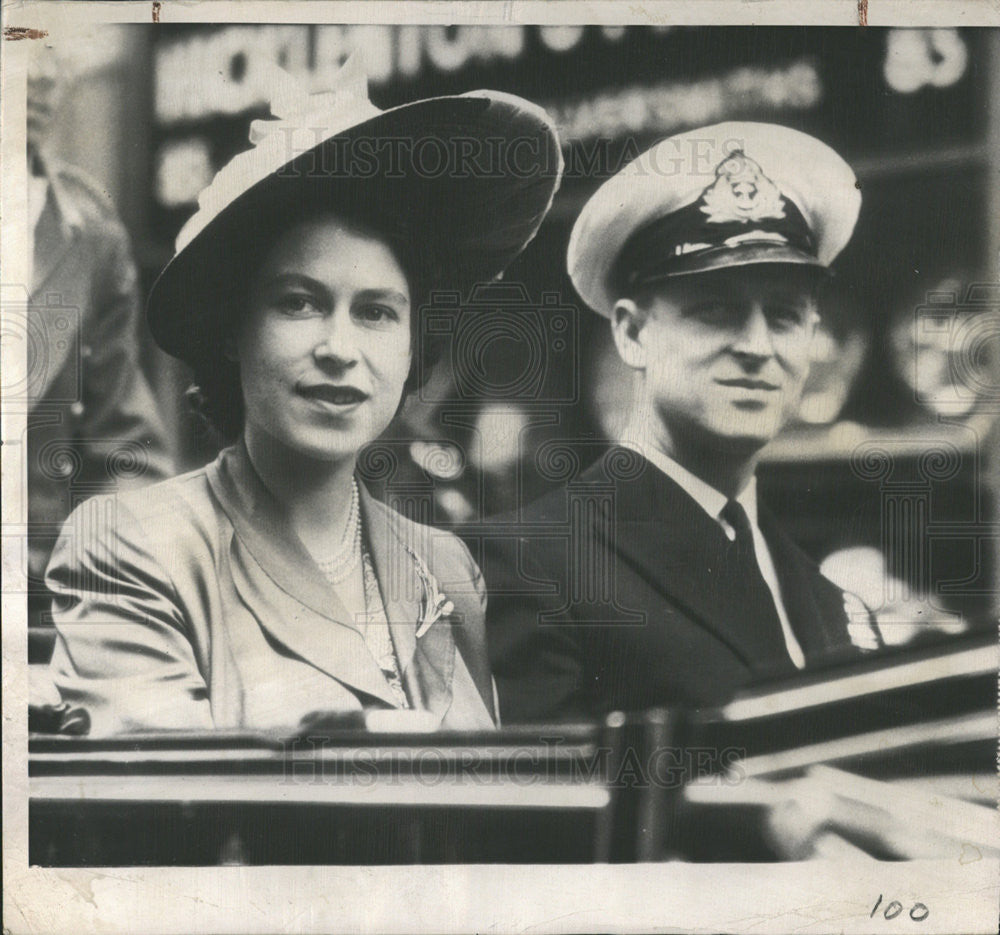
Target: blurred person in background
(473,472)
(93,422)
(944,347)
(270,589)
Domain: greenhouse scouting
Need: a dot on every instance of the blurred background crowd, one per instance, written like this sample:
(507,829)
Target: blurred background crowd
(887,477)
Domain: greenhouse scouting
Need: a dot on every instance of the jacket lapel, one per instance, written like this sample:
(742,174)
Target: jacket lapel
(53,240)
(815,606)
(427,662)
(678,550)
(281,584)
(55,234)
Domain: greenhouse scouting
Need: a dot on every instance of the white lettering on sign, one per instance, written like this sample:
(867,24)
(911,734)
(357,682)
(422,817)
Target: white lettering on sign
(609,115)
(666,107)
(335,43)
(451,48)
(225,73)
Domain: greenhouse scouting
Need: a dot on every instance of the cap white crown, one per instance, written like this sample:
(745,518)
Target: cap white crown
(676,171)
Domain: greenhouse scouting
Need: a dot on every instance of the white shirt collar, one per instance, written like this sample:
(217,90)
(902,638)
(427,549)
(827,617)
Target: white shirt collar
(747,498)
(38,192)
(706,496)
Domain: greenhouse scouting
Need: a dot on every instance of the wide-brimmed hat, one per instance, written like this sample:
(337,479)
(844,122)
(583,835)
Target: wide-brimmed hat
(462,183)
(733,194)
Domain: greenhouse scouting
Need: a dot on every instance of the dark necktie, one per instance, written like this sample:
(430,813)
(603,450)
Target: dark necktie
(744,575)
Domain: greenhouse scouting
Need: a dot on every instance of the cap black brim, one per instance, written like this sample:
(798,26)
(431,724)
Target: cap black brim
(744,255)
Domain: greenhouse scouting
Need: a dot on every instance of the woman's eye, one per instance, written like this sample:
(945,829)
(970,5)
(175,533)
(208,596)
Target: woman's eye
(376,313)
(295,304)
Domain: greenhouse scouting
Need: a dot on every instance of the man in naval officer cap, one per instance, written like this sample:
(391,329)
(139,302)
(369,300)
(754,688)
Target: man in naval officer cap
(656,577)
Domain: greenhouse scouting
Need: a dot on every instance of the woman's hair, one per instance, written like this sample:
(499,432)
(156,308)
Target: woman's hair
(216,395)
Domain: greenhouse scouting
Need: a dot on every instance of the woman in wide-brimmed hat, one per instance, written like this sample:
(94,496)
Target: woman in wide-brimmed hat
(270,585)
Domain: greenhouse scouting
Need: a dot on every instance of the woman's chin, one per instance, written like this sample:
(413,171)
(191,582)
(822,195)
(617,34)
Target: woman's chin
(330,452)
(320,447)
(319,440)
(337,446)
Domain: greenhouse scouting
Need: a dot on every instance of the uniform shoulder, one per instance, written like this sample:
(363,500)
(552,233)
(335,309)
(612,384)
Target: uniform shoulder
(613,466)
(86,193)
(551,508)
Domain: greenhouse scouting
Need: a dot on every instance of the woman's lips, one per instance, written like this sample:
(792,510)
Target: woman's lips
(334,395)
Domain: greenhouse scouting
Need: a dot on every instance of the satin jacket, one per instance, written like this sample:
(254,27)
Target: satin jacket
(609,595)
(192,604)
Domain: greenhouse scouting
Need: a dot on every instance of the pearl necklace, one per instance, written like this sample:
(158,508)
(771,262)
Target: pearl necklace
(339,567)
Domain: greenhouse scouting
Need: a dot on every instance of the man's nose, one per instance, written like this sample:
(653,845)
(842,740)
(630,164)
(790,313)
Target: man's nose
(337,340)
(754,336)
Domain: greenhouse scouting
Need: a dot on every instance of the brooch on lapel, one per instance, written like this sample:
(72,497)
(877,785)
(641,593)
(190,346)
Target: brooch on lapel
(436,604)
(860,629)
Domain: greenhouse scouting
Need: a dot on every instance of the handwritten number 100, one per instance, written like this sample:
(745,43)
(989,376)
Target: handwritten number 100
(918,913)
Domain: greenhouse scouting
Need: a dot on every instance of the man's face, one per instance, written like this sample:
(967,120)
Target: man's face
(46,84)
(725,353)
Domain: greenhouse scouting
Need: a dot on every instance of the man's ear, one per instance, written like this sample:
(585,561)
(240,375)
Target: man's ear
(627,322)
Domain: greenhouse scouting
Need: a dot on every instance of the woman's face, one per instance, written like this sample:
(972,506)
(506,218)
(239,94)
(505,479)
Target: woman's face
(324,351)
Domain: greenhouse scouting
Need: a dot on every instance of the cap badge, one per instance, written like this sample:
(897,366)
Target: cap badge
(741,192)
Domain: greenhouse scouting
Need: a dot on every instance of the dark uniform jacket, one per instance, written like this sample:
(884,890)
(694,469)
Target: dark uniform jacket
(610,595)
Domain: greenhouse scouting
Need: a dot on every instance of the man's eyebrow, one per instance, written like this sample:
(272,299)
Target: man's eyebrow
(798,302)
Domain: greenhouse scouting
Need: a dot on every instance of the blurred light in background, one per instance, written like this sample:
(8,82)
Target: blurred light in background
(183,169)
(901,615)
(85,50)
(560,38)
(948,352)
(440,459)
(499,427)
(915,58)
